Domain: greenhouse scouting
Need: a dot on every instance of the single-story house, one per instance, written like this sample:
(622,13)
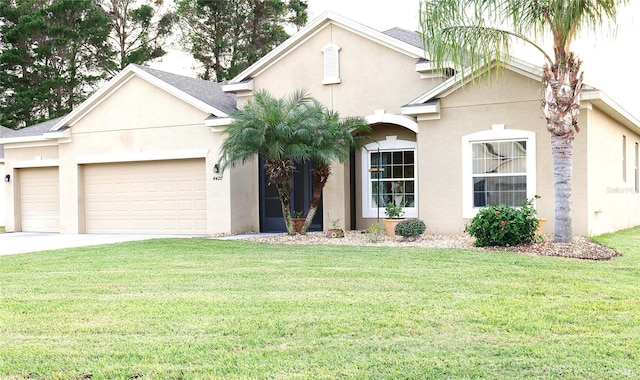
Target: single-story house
(142,154)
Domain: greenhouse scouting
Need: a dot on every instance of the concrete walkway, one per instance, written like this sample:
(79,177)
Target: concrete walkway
(22,242)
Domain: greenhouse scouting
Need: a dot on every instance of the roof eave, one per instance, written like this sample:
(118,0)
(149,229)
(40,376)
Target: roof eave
(611,108)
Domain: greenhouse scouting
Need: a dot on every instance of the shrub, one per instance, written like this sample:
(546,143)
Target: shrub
(410,228)
(375,232)
(504,226)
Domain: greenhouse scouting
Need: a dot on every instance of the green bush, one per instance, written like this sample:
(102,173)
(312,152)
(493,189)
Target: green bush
(504,226)
(410,228)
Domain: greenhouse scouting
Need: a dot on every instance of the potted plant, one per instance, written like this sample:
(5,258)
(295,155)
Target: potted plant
(298,221)
(394,216)
(410,229)
(335,231)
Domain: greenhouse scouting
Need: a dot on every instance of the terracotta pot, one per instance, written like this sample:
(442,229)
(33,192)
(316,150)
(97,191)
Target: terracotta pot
(540,229)
(390,226)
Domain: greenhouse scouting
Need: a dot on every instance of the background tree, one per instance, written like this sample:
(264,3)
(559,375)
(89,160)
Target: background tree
(139,30)
(474,32)
(51,57)
(227,36)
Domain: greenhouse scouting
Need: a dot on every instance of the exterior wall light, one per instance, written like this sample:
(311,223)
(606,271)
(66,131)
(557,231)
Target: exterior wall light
(216,169)
(7,178)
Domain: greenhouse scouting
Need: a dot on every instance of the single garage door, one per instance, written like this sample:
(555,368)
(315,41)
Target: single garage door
(154,197)
(39,199)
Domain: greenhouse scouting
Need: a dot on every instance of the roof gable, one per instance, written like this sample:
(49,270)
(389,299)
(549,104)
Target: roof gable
(428,103)
(204,95)
(396,39)
(461,79)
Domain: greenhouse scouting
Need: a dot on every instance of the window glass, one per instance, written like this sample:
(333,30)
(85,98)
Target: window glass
(499,170)
(396,181)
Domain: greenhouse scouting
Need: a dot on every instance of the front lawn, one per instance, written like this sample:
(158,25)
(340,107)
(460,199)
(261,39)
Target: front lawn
(208,309)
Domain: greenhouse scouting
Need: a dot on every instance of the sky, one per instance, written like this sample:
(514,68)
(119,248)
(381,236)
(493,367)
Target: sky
(610,61)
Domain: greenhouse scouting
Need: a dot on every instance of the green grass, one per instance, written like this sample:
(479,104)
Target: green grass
(207,309)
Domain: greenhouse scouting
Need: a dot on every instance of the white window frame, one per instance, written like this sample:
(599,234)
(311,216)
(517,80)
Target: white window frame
(331,61)
(391,144)
(497,133)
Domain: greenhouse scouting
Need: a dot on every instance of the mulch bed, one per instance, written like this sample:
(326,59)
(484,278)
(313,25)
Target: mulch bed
(580,248)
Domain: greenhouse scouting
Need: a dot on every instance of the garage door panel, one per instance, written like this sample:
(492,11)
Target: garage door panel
(159,197)
(39,199)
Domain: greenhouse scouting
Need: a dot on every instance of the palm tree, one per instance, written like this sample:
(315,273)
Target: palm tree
(473,32)
(332,139)
(271,127)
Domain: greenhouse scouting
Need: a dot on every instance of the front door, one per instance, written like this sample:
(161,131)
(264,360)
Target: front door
(271,219)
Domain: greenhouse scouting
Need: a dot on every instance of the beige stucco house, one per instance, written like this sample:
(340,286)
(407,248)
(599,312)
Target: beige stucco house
(141,155)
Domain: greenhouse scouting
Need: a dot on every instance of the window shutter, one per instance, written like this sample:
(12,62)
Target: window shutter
(331,64)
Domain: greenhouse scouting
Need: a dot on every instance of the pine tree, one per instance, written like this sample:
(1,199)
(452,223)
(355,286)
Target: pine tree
(227,36)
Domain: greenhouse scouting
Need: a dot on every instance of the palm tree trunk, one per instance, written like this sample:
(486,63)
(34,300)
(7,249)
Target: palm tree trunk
(283,193)
(321,174)
(562,152)
(561,108)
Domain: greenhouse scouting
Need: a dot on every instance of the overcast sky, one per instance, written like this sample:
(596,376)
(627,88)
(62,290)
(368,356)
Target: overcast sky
(610,63)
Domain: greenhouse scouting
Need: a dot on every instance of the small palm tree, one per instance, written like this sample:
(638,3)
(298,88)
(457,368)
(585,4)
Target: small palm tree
(473,32)
(271,127)
(332,140)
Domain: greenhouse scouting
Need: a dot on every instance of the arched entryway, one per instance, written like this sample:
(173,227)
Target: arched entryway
(385,170)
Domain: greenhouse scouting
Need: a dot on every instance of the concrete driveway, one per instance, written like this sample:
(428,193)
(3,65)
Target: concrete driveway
(23,242)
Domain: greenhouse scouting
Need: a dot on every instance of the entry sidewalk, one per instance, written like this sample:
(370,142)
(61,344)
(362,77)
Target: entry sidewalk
(22,242)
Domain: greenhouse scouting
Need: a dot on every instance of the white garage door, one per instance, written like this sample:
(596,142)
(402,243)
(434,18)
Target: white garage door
(39,199)
(156,197)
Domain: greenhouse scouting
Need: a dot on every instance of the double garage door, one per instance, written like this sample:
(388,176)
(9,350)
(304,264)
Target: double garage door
(155,197)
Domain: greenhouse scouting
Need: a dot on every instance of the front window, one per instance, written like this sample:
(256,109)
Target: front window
(499,173)
(498,167)
(390,169)
(392,178)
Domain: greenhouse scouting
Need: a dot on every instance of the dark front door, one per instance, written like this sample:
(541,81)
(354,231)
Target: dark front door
(271,219)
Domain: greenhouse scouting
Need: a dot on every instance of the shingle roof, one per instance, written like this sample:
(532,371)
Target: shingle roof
(406,36)
(206,91)
(36,129)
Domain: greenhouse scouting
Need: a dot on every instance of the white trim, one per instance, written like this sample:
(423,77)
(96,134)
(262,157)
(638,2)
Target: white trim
(218,122)
(152,156)
(240,86)
(35,163)
(380,116)
(58,134)
(390,144)
(430,111)
(497,134)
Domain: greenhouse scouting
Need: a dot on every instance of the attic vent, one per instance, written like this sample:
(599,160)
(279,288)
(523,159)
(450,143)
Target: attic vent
(331,64)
